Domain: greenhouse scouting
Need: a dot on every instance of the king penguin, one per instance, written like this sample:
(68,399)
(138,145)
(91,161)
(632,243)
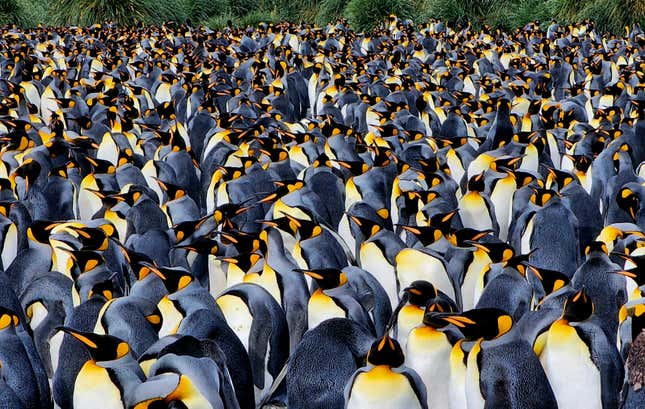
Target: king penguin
(109,375)
(583,366)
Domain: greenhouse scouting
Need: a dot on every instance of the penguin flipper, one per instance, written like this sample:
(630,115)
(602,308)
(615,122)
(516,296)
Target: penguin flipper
(372,296)
(417,385)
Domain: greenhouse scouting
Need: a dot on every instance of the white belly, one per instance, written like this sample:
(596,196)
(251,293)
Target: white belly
(574,378)
(502,197)
(373,261)
(428,353)
(471,288)
(10,246)
(409,318)
(525,246)
(474,212)
(474,397)
(345,233)
(238,316)
(216,276)
(94,389)
(54,349)
(457,388)
(171,317)
(88,204)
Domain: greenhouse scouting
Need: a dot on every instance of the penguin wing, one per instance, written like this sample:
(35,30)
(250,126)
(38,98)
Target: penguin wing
(349,301)
(417,385)
(261,327)
(372,296)
(227,390)
(491,211)
(518,227)
(512,376)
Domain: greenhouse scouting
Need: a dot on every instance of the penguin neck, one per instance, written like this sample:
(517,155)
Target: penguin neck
(379,369)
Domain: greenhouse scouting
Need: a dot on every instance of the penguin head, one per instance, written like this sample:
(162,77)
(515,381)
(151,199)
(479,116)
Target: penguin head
(367,226)
(542,197)
(201,245)
(173,278)
(477,183)
(326,278)
(104,289)
(462,237)
(506,163)
(480,323)
(596,247)
(497,252)
(305,229)
(426,234)
(28,171)
(637,274)
(559,177)
(503,106)
(282,189)
(172,191)
(552,280)
(578,307)
(186,229)
(85,260)
(356,167)
(519,262)
(102,348)
(224,214)
(419,292)
(138,262)
(245,262)
(623,154)
(434,309)
(628,201)
(92,238)
(386,351)
(443,221)
(40,230)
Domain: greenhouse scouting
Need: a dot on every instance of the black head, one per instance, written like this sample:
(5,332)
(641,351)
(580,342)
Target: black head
(326,278)
(101,347)
(386,351)
(578,307)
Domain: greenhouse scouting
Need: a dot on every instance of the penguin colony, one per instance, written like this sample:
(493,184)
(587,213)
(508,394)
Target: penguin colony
(422,217)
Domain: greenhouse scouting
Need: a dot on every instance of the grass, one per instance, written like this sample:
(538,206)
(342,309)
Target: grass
(365,15)
(609,15)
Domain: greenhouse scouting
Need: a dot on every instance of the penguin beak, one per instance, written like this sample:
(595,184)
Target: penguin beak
(154,269)
(79,336)
(624,273)
(310,273)
(458,321)
(478,246)
(268,198)
(267,222)
(534,270)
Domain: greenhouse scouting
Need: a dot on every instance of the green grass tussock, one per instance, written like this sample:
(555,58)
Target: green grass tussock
(330,10)
(364,15)
(608,15)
